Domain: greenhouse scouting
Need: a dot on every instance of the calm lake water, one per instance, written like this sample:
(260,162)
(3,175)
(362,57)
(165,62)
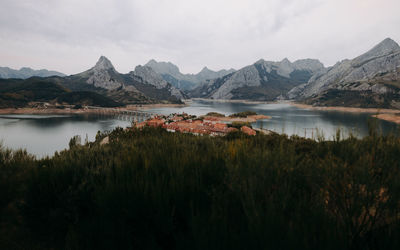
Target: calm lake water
(291,120)
(44,134)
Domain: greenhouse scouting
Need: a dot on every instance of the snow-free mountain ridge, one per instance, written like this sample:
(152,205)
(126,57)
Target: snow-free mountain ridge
(171,73)
(26,72)
(356,79)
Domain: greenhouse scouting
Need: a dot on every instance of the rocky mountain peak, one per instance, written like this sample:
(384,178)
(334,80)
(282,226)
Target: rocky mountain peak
(313,65)
(149,76)
(205,69)
(384,48)
(285,61)
(163,67)
(386,45)
(103,64)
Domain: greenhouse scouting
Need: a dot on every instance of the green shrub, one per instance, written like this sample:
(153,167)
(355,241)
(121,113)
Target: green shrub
(243,114)
(150,189)
(238,125)
(215,114)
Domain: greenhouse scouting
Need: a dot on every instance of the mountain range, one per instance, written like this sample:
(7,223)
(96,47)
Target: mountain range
(171,73)
(261,81)
(369,80)
(25,73)
(101,85)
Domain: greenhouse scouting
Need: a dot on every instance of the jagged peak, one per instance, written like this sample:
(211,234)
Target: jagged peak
(163,67)
(386,47)
(25,68)
(103,64)
(390,43)
(285,60)
(260,61)
(144,67)
(205,70)
(152,61)
(308,64)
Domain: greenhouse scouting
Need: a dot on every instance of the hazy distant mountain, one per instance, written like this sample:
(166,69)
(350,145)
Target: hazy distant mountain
(24,73)
(369,80)
(172,74)
(264,80)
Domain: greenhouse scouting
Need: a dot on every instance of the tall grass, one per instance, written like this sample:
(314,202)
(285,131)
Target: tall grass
(151,189)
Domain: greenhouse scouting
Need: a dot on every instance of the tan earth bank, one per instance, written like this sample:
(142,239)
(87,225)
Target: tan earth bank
(391,115)
(249,119)
(68,110)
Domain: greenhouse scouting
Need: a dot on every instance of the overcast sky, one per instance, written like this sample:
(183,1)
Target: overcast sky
(70,35)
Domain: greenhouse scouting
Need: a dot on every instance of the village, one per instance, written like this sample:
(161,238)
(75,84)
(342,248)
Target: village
(212,124)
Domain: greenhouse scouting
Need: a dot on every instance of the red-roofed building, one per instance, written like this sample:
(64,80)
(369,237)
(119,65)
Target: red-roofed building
(248,130)
(155,122)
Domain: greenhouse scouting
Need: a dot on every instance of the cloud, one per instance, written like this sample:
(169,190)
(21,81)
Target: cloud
(69,35)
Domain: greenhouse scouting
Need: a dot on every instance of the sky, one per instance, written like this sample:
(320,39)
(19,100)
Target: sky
(70,35)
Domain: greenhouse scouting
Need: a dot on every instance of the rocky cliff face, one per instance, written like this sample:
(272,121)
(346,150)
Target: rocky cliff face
(246,77)
(172,74)
(382,58)
(147,75)
(349,78)
(103,75)
(264,80)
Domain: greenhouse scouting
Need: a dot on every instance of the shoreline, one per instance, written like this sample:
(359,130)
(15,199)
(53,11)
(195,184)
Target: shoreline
(32,111)
(250,118)
(345,109)
(232,101)
(390,115)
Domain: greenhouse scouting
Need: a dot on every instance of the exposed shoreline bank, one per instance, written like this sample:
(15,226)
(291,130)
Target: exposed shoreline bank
(390,115)
(5,111)
(232,101)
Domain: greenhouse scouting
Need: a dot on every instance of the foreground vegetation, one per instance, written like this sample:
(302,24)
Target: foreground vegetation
(151,189)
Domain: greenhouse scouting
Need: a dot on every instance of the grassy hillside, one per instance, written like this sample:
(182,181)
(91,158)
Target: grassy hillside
(156,190)
(19,93)
(86,98)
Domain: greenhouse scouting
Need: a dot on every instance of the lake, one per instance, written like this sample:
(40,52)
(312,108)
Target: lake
(42,135)
(291,120)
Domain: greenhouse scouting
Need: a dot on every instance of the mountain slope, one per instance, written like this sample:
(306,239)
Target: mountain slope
(358,82)
(20,93)
(140,86)
(101,85)
(172,74)
(25,73)
(263,81)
